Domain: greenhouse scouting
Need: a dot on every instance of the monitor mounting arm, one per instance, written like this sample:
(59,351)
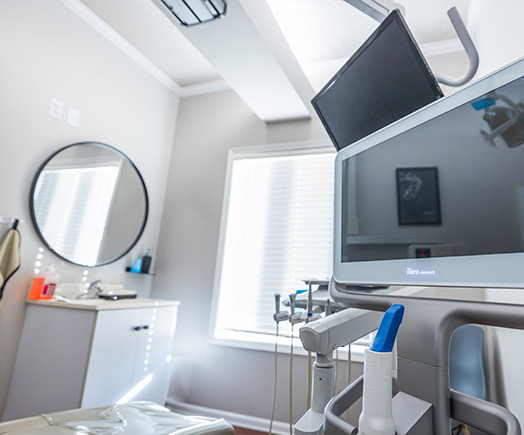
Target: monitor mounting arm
(468,45)
(379,9)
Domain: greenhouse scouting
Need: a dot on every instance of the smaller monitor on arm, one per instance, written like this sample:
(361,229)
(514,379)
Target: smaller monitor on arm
(385,80)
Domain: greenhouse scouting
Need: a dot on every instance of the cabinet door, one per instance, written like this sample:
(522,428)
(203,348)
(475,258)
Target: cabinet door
(111,363)
(153,355)
(130,356)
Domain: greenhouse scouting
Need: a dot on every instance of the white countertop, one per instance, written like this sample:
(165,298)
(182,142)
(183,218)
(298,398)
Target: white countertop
(102,304)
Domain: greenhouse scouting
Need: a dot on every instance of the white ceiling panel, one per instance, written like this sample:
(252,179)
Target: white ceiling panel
(322,30)
(428,19)
(274,53)
(324,34)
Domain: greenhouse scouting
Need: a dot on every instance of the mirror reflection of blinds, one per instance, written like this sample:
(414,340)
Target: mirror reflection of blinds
(279,232)
(72,208)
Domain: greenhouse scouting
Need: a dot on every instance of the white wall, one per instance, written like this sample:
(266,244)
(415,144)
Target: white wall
(47,51)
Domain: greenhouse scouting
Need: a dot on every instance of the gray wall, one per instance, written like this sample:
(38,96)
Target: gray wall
(224,378)
(47,51)
(218,377)
(126,214)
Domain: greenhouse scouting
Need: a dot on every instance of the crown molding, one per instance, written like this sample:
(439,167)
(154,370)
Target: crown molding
(204,88)
(439,48)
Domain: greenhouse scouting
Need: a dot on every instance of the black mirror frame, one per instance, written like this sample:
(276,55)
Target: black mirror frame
(32,210)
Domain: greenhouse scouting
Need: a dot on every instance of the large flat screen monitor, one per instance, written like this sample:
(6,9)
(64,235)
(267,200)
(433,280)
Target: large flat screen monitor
(437,198)
(385,80)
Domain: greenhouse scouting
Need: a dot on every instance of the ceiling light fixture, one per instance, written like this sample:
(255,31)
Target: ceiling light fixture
(192,12)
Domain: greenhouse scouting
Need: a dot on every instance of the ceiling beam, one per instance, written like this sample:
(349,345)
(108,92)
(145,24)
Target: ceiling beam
(241,55)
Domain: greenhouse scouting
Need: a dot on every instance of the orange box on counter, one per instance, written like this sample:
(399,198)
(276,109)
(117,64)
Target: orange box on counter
(37,288)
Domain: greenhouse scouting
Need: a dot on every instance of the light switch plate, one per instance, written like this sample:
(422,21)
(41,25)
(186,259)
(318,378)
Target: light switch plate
(55,109)
(73,116)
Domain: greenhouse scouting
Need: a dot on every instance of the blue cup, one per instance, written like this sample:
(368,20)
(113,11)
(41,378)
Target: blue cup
(137,266)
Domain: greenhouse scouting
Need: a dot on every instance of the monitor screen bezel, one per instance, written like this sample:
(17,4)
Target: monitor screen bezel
(497,270)
(395,17)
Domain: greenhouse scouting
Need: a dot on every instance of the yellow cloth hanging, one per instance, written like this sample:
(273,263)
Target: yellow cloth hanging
(9,256)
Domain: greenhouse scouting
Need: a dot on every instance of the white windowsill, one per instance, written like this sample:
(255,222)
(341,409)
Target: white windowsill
(266,343)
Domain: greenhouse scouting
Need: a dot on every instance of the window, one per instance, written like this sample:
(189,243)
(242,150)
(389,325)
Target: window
(277,230)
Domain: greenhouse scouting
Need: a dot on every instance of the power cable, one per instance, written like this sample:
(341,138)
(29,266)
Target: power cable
(275,386)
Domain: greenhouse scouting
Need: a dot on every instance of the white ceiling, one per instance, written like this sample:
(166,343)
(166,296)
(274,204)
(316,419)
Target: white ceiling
(323,30)
(288,40)
(144,26)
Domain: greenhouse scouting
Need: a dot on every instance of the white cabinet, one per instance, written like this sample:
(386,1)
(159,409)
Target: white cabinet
(91,353)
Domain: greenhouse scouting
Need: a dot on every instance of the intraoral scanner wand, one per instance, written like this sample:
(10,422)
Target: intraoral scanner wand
(377,411)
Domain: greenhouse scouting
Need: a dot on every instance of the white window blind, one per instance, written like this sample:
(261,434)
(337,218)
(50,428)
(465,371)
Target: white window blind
(278,232)
(73,213)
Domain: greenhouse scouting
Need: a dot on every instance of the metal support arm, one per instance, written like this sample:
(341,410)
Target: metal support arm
(329,333)
(339,404)
(379,9)
(468,45)
(486,416)
(423,343)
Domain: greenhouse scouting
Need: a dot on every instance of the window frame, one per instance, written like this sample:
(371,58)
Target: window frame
(265,342)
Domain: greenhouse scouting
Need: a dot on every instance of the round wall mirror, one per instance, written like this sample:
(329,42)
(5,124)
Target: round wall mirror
(89,204)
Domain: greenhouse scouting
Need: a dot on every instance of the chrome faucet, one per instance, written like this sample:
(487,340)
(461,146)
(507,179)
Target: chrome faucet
(94,289)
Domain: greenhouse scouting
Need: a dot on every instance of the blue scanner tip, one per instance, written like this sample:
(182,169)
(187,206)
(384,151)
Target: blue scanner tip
(483,103)
(388,329)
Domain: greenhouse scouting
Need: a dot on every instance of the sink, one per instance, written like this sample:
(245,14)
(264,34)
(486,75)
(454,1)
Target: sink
(72,290)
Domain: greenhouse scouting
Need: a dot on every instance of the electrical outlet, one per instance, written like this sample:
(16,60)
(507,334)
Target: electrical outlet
(55,109)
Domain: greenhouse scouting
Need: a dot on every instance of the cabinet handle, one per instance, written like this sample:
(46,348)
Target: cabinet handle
(145,327)
(137,328)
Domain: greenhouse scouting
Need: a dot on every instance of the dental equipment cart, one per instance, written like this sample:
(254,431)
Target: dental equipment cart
(424,403)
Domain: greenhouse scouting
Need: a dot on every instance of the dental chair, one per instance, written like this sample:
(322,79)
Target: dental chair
(134,418)
(467,369)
